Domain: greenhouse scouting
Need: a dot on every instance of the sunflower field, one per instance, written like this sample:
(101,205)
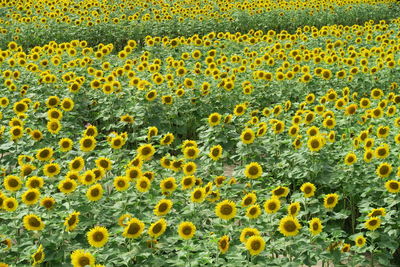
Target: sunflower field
(199,133)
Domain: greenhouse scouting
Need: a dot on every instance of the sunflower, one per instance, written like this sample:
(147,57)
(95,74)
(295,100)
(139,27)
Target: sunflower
(223,244)
(330,200)
(51,169)
(134,228)
(373,223)
(253,211)
(65,144)
(255,245)
(253,170)
(345,248)
(186,230)
(117,142)
(226,210)
(45,154)
(95,192)
(71,222)
(198,195)
(91,130)
(382,151)
(67,186)
(47,202)
(38,256)
(308,189)
(12,183)
(33,222)
(97,236)
(127,119)
(315,143)
(81,258)
(315,226)
(87,178)
(76,164)
(163,207)
(239,109)
(191,152)
(360,241)
(54,126)
(247,136)
(294,209)
(377,212)
(248,232)
(215,152)
(36,135)
(146,151)
(350,159)
(157,228)
(167,139)
(16,132)
(214,119)
(104,163)
(133,173)
(121,183)
(249,199)
(168,185)
(31,196)
(67,104)
(143,184)
(280,191)
(87,143)
(152,131)
(289,226)
(10,204)
(384,170)
(189,168)
(272,205)
(393,186)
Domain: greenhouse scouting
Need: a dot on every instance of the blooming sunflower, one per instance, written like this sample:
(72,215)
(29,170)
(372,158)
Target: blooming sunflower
(87,143)
(12,183)
(249,199)
(215,152)
(143,184)
(315,143)
(289,226)
(98,236)
(272,205)
(186,230)
(198,195)
(253,170)
(157,228)
(189,168)
(255,245)
(95,192)
(81,258)
(10,204)
(223,244)
(384,170)
(104,163)
(47,202)
(393,186)
(188,182)
(167,139)
(247,136)
(308,189)
(168,185)
(331,200)
(133,229)
(253,211)
(280,191)
(315,226)
(294,209)
(146,151)
(350,159)
(214,119)
(121,183)
(67,186)
(191,152)
(51,169)
(360,241)
(71,222)
(31,196)
(76,164)
(226,210)
(377,212)
(33,222)
(248,232)
(38,256)
(163,207)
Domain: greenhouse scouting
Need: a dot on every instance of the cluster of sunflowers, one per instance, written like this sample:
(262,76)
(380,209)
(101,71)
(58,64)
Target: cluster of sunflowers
(35,23)
(229,148)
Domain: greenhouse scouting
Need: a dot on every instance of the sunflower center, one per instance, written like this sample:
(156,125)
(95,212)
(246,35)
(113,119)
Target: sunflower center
(384,170)
(121,183)
(197,194)
(117,142)
(168,185)
(293,210)
(48,204)
(98,236)
(394,186)
(215,152)
(315,143)
(247,136)
(191,152)
(253,170)
(67,185)
(76,164)
(10,204)
(373,222)
(290,226)
(65,144)
(13,183)
(95,192)
(87,143)
(253,211)
(330,200)
(187,181)
(34,222)
(30,196)
(307,190)
(38,256)
(187,230)
(72,220)
(51,169)
(315,226)
(381,151)
(223,244)
(226,209)
(133,228)
(279,191)
(255,245)
(248,201)
(146,151)
(157,228)
(272,206)
(83,261)
(163,207)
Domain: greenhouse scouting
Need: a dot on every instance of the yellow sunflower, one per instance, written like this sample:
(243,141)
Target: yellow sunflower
(289,226)
(315,226)
(308,189)
(81,258)
(87,143)
(71,222)
(360,241)
(97,236)
(255,245)
(272,205)
(133,229)
(393,186)
(373,223)
(253,170)
(163,207)
(31,196)
(226,210)
(157,228)
(95,192)
(247,136)
(253,211)
(38,256)
(186,230)
(223,244)
(33,223)
(215,152)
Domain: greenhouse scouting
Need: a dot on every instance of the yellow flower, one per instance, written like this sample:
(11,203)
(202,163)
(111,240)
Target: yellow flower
(223,244)
(157,228)
(121,183)
(272,205)
(163,207)
(249,199)
(87,143)
(143,184)
(226,210)
(186,230)
(253,212)
(214,119)
(65,144)
(12,183)
(95,192)
(315,143)
(133,229)
(331,200)
(168,184)
(33,222)
(393,186)
(294,209)
(67,186)
(253,170)
(31,196)
(384,170)
(248,232)
(81,258)
(255,245)
(191,152)
(38,256)
(71,222)
(215,152)
(289,226)
(198,195)
(10,204)
(247,136)
(146,151)
(280,191)
(315,226)
(350,159)
(308,189)
(97,236)
(360,241)
(373,223)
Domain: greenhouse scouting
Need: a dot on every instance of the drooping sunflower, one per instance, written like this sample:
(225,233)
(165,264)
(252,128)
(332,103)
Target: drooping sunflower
(82,258)
(121,183)
(163,207)
(157,228)
(393,186)
(71,222)
(38,256)
(44,154)
(248,232)
(247,136)
(226,210)
(330,200)
(280,191)
(373,223)
(294,209)
(31,196)
(186,230)
(12,183)
(215,152)
(289,226)
(133,229)
(97,236)
(87,143)
(95,192)
(33,222)
(67,186)
(253,170)
(223,244)
(360,241)
(384,170)
(253,211)
(315,226)
(255,245)
(308,189)
(65,144)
